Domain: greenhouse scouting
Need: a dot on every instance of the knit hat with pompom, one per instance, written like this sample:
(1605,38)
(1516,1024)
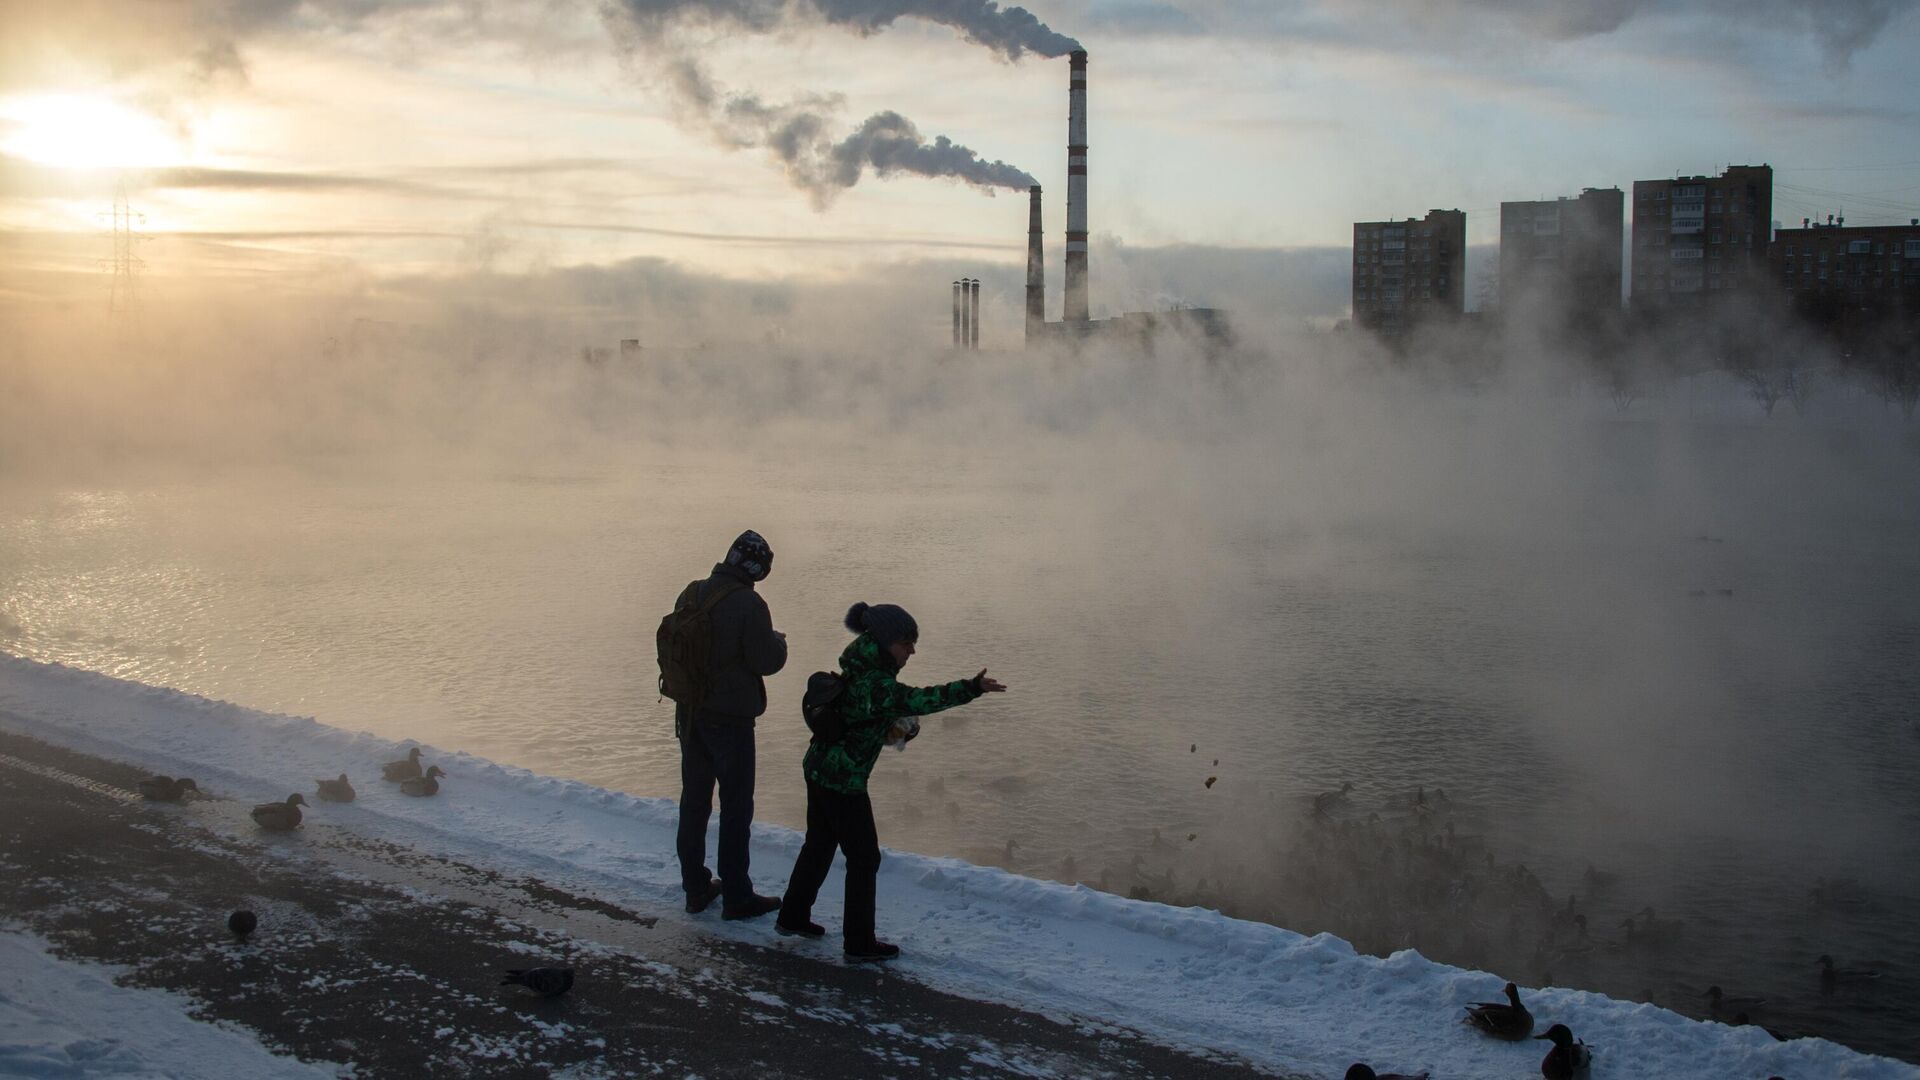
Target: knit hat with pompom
(885,623)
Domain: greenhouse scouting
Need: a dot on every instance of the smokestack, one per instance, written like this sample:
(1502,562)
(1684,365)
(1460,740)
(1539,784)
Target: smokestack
(973,307)
(1076,301)
(959,298)
(1036,268)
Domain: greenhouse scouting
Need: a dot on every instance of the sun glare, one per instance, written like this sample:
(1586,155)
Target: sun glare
(77,131)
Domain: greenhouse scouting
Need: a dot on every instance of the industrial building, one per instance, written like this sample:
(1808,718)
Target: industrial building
(1560,259)
(1699,238)
(1411,271)
(1208,327)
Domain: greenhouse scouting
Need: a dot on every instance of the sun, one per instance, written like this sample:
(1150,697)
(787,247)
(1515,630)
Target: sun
(84,131)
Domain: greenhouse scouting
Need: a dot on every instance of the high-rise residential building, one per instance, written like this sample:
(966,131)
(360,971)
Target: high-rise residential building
(1560,258)
(1405,272)
(1832,265)
(1697,238)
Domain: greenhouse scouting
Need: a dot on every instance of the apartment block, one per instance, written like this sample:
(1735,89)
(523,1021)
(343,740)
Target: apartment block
(1699,238)
(1406,272)
(1875,266)
(1561,258)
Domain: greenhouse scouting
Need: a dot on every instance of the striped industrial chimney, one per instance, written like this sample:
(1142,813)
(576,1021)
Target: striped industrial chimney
(959,299)
(973,306)
(1036,269)
(1076,304)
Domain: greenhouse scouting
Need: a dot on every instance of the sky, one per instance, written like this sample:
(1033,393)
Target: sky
(346,145)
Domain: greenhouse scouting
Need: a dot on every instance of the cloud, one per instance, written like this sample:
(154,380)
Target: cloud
(1011,31)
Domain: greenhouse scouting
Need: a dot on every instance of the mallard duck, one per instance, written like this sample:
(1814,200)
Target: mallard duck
(243,921)
(406,768)
(1509,1020)
(279,816)
(1361,1071)
(1651,930)
(1599,881)
(1327,800)
(1718,1000)
(422,786)
(545,981)
(1831,976)
(335,790)
(1568,1058)
(166,788)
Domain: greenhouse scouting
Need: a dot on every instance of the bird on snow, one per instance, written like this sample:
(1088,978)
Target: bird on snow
(340,790)
(405,769)
(242,923)
(1507,1020)
(545,981)
(422,786)
(1361,1071)
(1327,800)
(279,816)
(1831,976)
(1569,1057)
(1718,1000)
(166,788)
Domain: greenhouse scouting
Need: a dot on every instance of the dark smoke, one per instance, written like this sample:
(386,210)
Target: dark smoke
(1012,32)
(797,133)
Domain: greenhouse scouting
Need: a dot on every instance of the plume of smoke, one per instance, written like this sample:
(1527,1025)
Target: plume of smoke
(797,135)
(1012,32)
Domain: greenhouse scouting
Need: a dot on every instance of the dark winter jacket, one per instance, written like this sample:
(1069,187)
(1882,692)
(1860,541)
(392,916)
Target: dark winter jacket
(872,701)
(745,649)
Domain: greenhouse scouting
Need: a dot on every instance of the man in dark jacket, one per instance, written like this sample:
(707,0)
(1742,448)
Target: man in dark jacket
(716,738)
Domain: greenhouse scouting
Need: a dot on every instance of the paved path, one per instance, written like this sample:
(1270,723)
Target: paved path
(387,957)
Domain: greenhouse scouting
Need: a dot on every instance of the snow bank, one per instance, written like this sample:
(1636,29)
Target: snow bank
(64,1019)
(1186,976)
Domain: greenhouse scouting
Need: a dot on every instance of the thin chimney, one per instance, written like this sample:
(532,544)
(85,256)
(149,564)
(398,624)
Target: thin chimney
(973,308)
(1076,282)
(959,293)
(1036,268)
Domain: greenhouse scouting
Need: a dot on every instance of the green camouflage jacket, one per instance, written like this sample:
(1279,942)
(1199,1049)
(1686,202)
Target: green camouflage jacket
(869,705)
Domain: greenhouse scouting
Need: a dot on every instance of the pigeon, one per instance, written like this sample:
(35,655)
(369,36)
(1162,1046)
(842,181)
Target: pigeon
(422,786)
(545,981)
(335,790)
(242,923)
(405,769)
(166,788)
(280,816)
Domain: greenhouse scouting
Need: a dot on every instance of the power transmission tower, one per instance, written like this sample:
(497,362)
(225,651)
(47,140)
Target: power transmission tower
(125,264)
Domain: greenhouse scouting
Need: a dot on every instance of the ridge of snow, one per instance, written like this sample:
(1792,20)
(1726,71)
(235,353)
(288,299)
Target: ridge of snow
(1186,976)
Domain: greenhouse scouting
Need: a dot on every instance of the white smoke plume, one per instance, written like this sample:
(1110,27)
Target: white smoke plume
(1012,32)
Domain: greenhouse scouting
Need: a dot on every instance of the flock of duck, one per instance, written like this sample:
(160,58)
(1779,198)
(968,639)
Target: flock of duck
(285,816)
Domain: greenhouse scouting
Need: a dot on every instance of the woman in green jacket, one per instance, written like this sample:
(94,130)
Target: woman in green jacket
(876,709)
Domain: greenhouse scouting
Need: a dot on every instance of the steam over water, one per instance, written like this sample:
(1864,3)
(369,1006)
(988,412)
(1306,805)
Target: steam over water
(1682,650)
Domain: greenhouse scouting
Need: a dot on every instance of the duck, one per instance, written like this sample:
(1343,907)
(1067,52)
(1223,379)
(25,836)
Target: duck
(1509,1020)
(340,790)
(280,816)
(423,786)
(1718,1000)
(1327,800)
(1831,976)
(1652,930)
(1569,1057)
(1599,881)
(166,788)
(406,768)
(1360,1070)
(242,922)
(545,981)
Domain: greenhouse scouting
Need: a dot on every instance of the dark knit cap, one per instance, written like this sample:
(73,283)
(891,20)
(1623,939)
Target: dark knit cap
(885,623)
(752,555)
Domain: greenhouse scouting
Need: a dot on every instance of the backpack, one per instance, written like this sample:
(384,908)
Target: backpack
(685,641)
(826,692)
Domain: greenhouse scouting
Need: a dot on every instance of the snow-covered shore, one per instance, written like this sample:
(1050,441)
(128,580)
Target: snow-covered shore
(1185,976)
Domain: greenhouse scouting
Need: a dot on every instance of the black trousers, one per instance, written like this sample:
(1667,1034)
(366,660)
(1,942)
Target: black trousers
(843,822)
(716,750)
